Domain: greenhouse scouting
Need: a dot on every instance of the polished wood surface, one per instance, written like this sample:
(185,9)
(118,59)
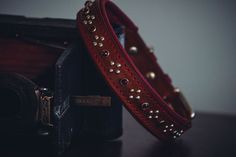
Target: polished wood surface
(211,135)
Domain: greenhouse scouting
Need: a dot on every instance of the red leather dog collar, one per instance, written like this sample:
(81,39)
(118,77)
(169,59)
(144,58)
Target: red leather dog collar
(133,72)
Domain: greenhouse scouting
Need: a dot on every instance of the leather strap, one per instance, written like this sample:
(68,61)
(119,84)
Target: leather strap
(133,72)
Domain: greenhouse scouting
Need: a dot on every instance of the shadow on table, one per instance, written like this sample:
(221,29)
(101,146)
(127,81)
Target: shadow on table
(177,149)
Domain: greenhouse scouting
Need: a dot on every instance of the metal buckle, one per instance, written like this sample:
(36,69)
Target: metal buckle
(185,102)
(45,102)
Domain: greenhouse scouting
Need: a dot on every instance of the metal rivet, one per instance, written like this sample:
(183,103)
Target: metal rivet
(157,111)
(112,63)
(124,81)
(90,22)
(181,131)
(167,126)
(138,91)
(92,17)
(138,97)
(93,29)
(95,43)
(88,17)
(105,53)
(43,132)
(145,105)
(118,65)
(102,38)
(96,37)
(161,122)
(133,50)
(150,117)
(174,137)
(131,96)
(171,129)
(85,22)
(100,44)
(151,111)
(132,90)
(156,117)
(151,49)
(151,75)
(86,10)
(164,130)
(111,70)
(117,71)
(172,125)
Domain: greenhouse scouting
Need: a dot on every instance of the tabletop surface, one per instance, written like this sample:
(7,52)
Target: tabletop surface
(211,135)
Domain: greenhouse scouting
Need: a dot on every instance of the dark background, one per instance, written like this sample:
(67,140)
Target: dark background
(195,41)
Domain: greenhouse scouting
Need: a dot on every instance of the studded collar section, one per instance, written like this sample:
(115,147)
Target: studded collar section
(133,72)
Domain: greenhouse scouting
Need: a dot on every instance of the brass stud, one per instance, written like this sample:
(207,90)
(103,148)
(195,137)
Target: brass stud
(151,75)
(133,50)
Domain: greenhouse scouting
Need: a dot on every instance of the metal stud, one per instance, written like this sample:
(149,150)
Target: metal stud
(100,44)
(151,75)
(138,97)
(181,131)
(131,96)
(156,117)
(166,126)
(85,22)
(151,111)
(88,17)
(161,122)
(111,70)
(124,81)
(117,71)
(145,105)
(174,137)
(164,130)
(171,129)
(90,22)
(86,10)
(95,43)
(92,17)
(133,50)
(105,53)
(96,37)
(93,29)
(102,38)
(157,111)
(118,65)
(172,125)
(132,90)
(150,117)
(112,63)
(138,91)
